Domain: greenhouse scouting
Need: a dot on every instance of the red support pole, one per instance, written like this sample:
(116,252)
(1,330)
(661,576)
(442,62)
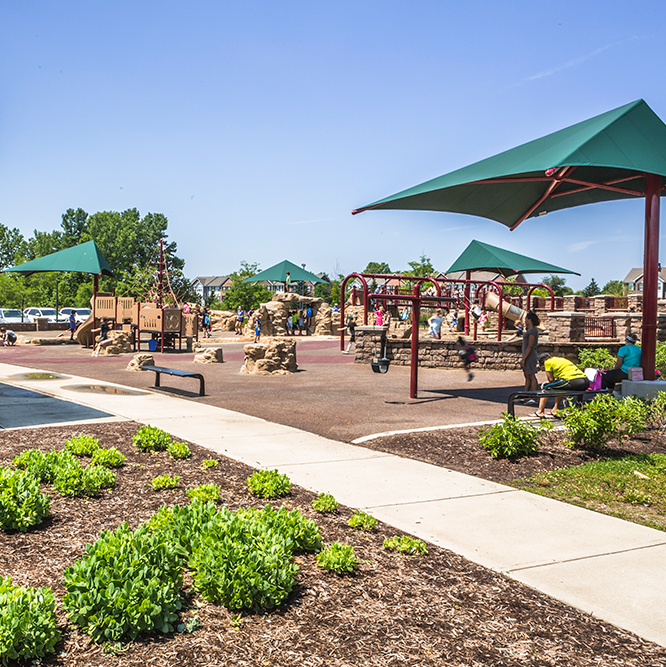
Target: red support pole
(416,316)
(468,277)
(650,275)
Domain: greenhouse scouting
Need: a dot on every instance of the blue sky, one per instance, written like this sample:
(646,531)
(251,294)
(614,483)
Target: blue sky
(257,127)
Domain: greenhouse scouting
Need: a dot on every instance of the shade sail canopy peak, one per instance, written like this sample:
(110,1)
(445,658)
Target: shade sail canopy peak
(278,274)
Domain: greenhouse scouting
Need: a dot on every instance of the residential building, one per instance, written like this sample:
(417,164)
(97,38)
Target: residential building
(634,282)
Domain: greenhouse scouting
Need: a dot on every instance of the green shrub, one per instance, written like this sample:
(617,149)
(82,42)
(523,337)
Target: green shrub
(632,415)
(82,445)
(660,358)
(325,502)
(269,484)
(27,622)
(109,458)
(151,439)
(205,493)
(179,450)
(240,563)
(208,463)
(126,584)
(21,503)
(40,465)
(338,558)
(405,544)
(657,409)
(362,521)
(164,482)
(512,437)
(598,357)
(71,479)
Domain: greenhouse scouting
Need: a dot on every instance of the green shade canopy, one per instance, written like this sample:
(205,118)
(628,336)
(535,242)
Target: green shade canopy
(83,258)
(601,159)
(278,274)
(484,257)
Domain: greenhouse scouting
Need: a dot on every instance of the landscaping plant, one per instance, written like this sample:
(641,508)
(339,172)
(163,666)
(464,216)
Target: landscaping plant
(27,622)
(338,558)
(82,445)
(598,357)
(512,437)
(109,458)
(269,484)
(179,450)
(208,463)
(362,521)
(325,502)
(164,482)
(126,584)
(151,439)
(40,465)
(205,493)
(71,479)
(406,544)
(21,503)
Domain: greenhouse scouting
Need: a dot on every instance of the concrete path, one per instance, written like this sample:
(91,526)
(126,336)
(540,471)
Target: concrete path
(607,567)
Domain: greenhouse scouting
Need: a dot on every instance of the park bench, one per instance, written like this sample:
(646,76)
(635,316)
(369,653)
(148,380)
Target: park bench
(159,370)
(580,396)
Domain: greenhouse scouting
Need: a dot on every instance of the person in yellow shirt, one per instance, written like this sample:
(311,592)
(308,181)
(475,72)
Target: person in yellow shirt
(562,374)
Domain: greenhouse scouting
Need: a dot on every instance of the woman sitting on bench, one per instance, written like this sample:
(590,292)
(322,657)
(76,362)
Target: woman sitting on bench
(563,375)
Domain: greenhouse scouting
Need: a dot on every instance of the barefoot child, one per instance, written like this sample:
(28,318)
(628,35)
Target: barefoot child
(467,355)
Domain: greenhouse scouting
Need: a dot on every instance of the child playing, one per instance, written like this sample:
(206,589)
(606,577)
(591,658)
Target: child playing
(467,355)
(257,329)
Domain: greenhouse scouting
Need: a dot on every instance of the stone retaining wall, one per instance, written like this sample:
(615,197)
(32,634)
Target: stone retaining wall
(443,353)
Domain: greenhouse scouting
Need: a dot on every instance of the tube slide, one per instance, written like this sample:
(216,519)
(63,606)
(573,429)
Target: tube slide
(509,311)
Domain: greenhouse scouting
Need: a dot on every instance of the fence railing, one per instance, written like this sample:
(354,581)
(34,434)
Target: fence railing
(584,303)
(544,302)
(599,327)
(618,303)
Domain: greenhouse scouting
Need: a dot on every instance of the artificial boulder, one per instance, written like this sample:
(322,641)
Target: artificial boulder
(120,344)
(140,360)
(278,357)
(209,355)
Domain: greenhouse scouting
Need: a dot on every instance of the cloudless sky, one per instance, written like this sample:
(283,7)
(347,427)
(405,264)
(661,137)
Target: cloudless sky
(256,127)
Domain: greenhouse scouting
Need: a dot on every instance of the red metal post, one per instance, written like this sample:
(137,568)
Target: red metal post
(416,317)
(650,275)
(468,277)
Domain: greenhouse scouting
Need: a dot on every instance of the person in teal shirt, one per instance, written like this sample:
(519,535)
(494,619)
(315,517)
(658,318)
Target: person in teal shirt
(628,356)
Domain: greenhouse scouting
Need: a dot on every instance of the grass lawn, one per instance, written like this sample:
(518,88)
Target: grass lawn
(632,487)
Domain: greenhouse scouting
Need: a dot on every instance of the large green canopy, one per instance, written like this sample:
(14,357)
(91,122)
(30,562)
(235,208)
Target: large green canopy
(278,274)
(480,256)
(601,159)
(83,258)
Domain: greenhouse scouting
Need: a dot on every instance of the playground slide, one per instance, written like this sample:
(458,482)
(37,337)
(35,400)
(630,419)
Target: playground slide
(84,335)
(509,311)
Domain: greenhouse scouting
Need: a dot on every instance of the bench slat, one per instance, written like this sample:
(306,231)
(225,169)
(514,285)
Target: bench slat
(158,370)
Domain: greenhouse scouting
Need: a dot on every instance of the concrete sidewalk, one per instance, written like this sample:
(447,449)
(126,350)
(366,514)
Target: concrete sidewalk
(607,567)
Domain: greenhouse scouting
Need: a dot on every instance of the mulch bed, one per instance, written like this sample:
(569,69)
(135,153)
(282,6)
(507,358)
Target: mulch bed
(438,609)
(458,449)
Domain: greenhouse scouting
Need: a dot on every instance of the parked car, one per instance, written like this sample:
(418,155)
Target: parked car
(31,314)
(81,314)
(11,315)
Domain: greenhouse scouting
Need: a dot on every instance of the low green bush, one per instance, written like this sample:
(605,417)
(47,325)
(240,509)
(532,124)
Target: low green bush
(325,502)
(657,409)
(338,558)
(179,450)
(632,415)
(208,463)
(406,544)
(512,437)
(82,445)
(21,503)
(127,583)
(27,622)
(41,465)
(71,479)
(362,521)
(269,484)
(660,358)
(164,482)
(205,493)
(151,439)
(109,458)
(598,357)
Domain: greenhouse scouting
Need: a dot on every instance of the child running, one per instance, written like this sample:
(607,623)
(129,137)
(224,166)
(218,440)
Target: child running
(467,355)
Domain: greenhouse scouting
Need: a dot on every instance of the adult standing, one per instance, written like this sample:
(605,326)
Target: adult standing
(240,318)
(528,359)
(628,356)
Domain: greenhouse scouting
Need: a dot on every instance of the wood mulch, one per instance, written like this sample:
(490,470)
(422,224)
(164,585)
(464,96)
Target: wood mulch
(438,609)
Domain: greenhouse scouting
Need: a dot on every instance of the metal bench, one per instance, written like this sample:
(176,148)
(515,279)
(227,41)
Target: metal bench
(536,395)
(158,370)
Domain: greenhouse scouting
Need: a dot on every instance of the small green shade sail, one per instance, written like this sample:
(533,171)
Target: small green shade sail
(480,256)
(601,159)
(278,274)
(83,258)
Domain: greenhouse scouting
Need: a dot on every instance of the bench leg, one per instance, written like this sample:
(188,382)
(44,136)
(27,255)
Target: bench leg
(202,386)
(157,379)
